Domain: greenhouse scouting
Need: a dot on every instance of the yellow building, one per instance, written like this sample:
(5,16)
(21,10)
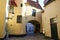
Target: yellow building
(18,16)
(13,26)
(2,18)
(51,19)
(24,12)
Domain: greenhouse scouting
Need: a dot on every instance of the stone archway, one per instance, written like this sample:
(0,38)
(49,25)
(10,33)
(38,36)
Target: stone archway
(36,25)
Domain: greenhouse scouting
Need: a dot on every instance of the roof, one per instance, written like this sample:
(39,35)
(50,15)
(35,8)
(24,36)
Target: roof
(34,4)
(46,2)
(12,2)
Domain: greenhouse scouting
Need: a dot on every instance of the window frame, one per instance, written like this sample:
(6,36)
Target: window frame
(19,18)
(33,12)
(11,9)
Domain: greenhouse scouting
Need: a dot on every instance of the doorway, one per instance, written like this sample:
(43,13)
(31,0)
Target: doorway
(54,32)
(30,28)
(37,28)
(33,27)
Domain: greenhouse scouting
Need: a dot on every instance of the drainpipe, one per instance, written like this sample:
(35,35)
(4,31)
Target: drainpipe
(6,18)
(7,8)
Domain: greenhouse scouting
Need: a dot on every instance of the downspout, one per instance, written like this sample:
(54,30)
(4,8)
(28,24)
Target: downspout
(6,17)
(7,8)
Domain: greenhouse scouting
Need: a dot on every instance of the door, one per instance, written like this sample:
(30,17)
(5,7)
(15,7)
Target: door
(54,32)
(30,28)
(37,28)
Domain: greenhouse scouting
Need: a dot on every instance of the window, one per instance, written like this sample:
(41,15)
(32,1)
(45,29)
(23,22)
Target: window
(21,5)
(33,12)
(19,19)
(53,20)
(11,9)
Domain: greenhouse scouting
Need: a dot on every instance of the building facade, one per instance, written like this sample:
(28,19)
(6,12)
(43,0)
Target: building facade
(21,15)
(51,19)
(2,18)
(23,12)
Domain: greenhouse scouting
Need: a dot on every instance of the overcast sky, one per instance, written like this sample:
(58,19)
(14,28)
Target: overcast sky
(41,2)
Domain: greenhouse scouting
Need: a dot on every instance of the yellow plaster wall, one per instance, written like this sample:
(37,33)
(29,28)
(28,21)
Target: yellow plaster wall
(51,10)
(14,27)
(26,12)
(27,15)
(2,16)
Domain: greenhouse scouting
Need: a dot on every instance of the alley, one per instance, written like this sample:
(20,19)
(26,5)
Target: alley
(30,37)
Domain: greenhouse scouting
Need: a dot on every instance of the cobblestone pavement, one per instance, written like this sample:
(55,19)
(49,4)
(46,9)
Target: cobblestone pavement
(32,37)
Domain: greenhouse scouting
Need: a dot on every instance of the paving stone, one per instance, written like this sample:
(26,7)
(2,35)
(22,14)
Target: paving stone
(32,37)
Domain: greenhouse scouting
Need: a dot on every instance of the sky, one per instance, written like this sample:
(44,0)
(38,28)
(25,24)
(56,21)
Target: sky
(41,2)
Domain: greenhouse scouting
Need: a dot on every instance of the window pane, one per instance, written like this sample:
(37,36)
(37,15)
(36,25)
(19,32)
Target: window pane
(11,9)
(19,19)
(33,12)
(21,5)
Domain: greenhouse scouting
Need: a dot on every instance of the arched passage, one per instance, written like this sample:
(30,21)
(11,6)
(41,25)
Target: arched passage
(34,26)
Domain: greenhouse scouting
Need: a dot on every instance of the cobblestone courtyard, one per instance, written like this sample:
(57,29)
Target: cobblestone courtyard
(33,37)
